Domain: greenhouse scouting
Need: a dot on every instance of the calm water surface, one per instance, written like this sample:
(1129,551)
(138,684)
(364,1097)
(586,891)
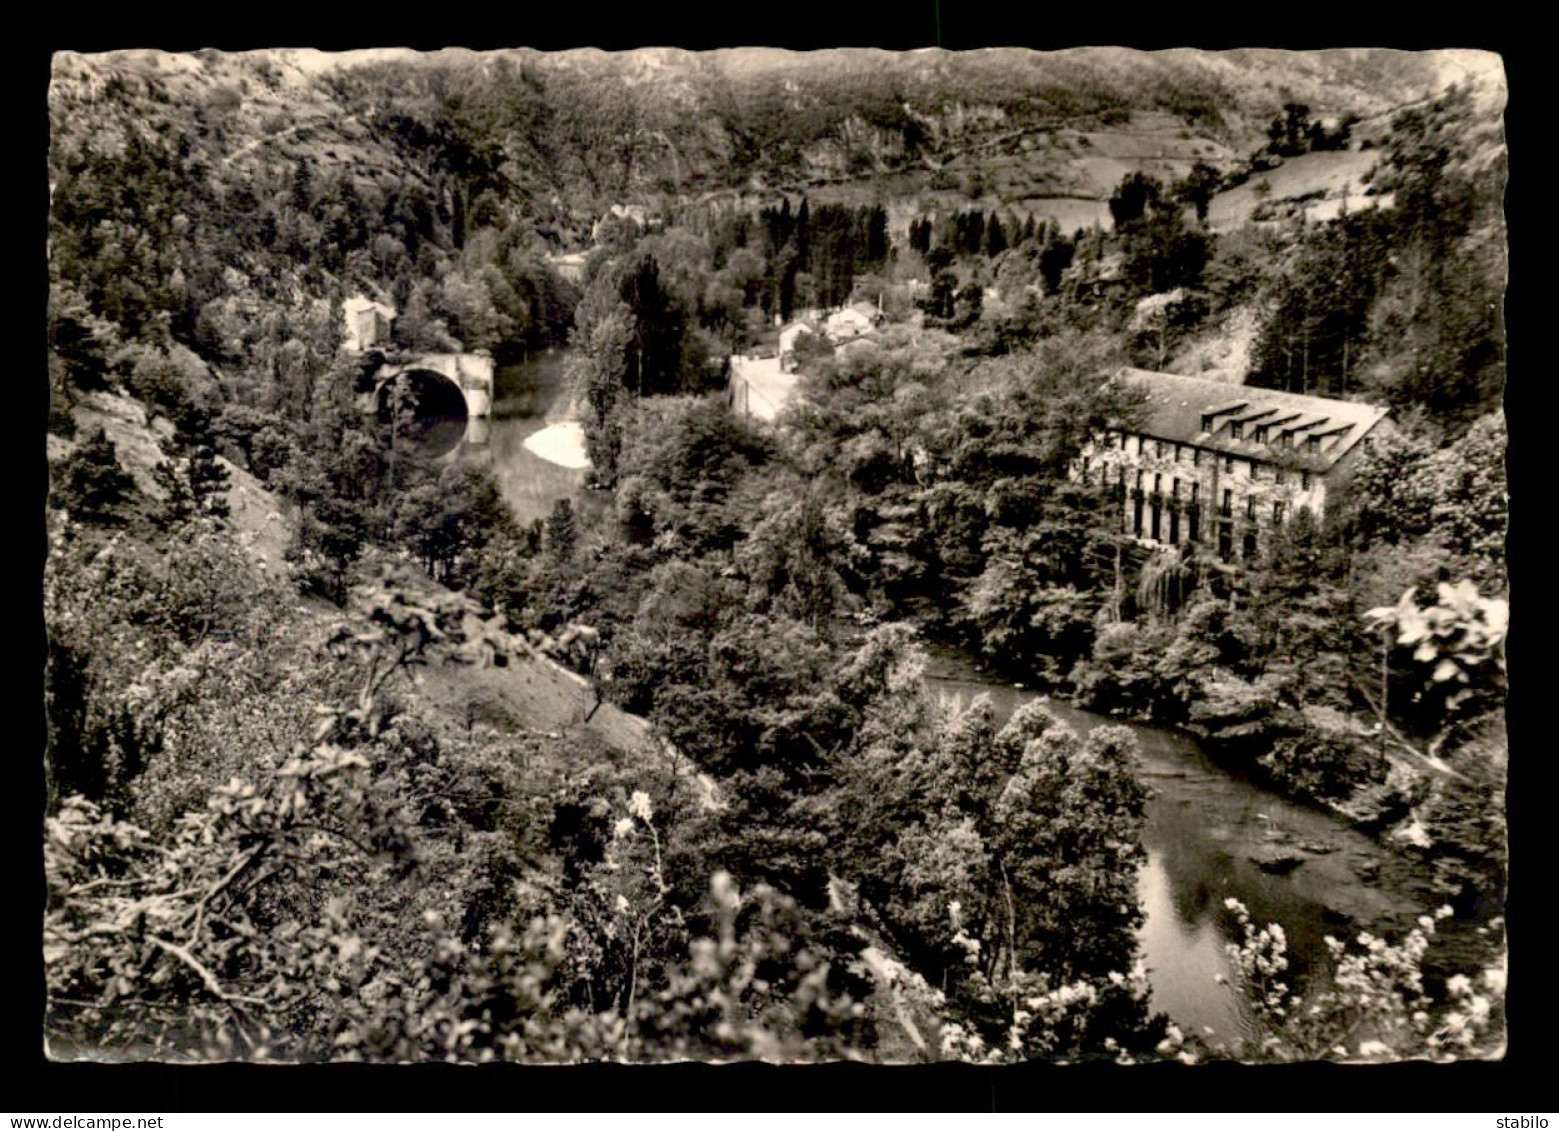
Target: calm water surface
(1205,828)
(527,396)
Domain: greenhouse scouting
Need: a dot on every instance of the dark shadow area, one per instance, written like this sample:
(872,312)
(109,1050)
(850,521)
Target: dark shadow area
(422,412)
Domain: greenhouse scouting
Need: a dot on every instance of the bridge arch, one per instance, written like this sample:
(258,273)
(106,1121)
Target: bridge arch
(437,396)
(422,408)
(472,373)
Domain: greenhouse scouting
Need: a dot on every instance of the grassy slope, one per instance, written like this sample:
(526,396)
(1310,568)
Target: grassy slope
(1332,174)
(531,693)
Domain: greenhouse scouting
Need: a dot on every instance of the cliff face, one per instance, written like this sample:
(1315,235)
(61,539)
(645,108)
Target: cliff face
(578,130)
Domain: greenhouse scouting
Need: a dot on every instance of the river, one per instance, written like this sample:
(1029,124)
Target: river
(1206,825)
(527,397)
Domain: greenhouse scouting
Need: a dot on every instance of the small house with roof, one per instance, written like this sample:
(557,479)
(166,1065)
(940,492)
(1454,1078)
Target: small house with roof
(1207,462)
(851,322)
(571,266)
(367,323)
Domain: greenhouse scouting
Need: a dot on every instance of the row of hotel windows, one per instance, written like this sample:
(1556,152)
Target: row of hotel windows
(1280,476)
(1154,524)
(1152,518)
(1159,447)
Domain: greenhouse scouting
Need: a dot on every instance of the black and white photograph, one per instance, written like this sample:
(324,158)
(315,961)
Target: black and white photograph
(989,556)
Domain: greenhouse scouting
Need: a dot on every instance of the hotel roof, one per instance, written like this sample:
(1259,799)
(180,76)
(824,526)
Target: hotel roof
(1203,412)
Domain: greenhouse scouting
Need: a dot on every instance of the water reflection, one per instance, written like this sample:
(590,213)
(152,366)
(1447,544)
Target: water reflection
(1185,952)
(527,397)
(1211,835)
(422,413)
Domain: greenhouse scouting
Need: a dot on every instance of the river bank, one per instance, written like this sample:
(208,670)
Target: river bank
(1324,755)
(1212,833)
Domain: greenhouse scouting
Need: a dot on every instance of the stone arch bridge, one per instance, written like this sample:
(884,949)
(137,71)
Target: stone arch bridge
(452,393)
(470,373)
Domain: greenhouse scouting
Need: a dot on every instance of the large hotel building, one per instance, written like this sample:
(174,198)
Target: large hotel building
(1223,464)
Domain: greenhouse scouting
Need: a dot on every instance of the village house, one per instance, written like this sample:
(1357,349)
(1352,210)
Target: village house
(851,322)
(636,213)
(367,323)
(1223,465)
(762,380)
(570,266)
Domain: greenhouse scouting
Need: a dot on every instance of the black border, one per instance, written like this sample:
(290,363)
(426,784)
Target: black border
(1511,1085)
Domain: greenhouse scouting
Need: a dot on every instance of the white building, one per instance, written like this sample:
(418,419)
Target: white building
(570,266)
(1220,464)
(367,323)
(853,321)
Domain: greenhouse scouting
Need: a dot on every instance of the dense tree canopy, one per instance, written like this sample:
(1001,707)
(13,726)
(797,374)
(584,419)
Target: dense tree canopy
(345,763)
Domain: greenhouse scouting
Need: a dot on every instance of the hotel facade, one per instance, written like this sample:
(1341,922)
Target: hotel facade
(1221,465)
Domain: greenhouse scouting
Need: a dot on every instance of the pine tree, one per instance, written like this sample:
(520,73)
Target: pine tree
(194,482)
(804,237)
(89,483)
(785,293)
(995,237)
(208,479)
(302,196)
(877,236)
(1198,188)
(973,232)
(659,327)
(951,235)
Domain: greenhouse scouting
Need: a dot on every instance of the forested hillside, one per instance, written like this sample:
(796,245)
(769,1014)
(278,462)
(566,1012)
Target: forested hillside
(346,762)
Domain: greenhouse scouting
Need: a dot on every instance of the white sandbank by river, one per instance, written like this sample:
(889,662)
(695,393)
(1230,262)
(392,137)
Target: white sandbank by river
(562,444)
